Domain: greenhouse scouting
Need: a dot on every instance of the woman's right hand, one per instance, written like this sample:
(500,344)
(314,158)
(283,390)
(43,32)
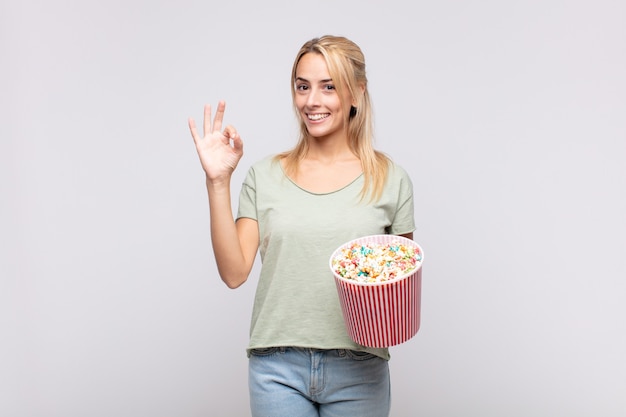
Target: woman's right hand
(219,151)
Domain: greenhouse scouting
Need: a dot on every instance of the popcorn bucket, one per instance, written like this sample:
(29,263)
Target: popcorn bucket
(381,314)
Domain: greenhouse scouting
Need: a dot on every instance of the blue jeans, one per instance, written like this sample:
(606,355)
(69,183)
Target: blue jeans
(301,382)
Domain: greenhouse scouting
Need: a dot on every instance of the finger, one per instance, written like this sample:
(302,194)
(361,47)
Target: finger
(219,116)
(237,143)
(207,120)
(230,131)
(193,130)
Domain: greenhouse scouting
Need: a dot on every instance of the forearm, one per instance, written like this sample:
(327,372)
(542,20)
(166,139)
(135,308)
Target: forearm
(227,248)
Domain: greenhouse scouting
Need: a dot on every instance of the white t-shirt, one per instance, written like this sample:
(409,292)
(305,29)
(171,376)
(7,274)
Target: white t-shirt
(296,301)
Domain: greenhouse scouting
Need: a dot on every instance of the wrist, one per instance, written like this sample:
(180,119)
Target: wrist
(218,184)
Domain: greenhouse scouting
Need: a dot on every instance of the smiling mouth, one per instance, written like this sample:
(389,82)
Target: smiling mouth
(318,116)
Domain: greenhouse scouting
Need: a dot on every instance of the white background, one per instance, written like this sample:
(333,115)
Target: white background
(508,115)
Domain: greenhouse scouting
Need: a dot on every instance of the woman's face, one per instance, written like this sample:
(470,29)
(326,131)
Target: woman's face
(317,100)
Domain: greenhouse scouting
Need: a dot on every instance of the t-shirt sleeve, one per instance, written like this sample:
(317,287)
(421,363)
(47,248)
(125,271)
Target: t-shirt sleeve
(247,197)
(404,219)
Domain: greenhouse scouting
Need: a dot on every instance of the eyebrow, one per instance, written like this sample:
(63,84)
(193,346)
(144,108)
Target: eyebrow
(329,80)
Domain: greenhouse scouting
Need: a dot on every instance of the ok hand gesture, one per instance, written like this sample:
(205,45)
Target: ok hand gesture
(219,151)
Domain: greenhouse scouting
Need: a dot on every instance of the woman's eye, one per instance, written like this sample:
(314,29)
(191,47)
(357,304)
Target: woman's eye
(329,87)
(302,87)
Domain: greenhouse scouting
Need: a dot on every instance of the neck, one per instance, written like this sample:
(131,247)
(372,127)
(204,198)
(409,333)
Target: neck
(329,149)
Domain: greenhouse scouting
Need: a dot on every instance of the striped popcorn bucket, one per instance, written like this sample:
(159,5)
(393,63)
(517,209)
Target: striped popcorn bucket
(381,314)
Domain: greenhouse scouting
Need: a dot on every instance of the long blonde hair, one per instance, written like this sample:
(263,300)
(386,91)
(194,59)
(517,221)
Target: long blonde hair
(346,65)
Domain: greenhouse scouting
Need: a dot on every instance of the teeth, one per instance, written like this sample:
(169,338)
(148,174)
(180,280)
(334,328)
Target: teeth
(317,116)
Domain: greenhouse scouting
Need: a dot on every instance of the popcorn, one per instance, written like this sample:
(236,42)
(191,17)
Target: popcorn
(375,262)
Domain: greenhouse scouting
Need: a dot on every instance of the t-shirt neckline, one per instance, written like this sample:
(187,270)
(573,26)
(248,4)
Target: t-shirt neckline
(312,192)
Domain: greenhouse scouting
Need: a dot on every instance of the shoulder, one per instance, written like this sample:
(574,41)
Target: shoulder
(398,182)
(264,169)
(266,164)
(397,172)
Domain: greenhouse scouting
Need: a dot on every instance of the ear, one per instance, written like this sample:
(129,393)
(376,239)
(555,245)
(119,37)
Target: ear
(361,92)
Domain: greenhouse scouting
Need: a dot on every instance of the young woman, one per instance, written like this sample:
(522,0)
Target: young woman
(296,208)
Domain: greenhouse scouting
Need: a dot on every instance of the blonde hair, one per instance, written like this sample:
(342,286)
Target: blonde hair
(346,65)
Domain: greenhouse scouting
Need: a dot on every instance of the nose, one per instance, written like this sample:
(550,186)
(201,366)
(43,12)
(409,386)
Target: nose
(313,99)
